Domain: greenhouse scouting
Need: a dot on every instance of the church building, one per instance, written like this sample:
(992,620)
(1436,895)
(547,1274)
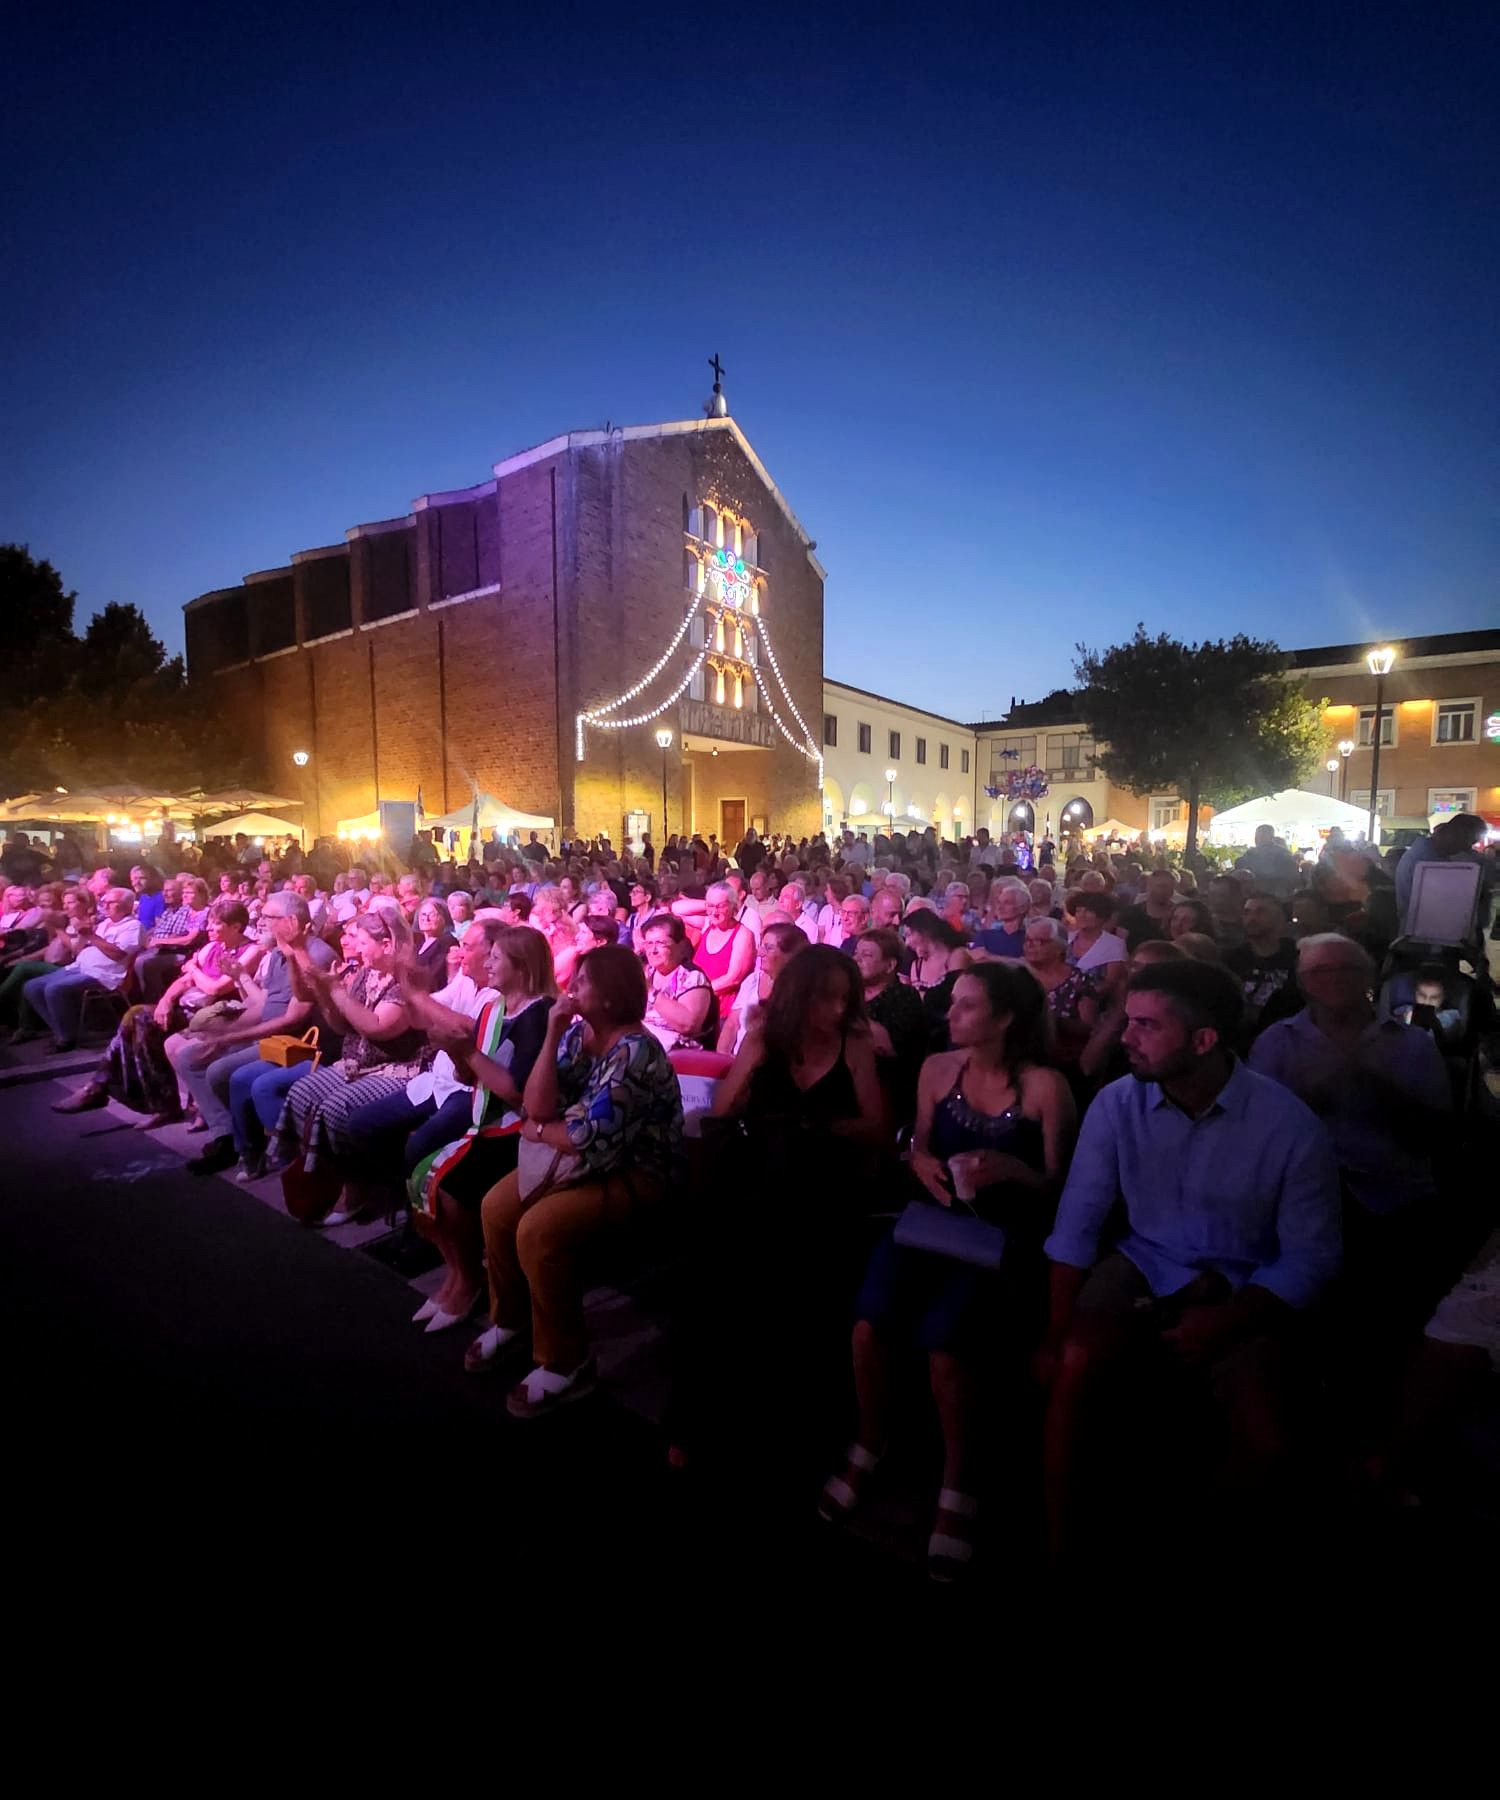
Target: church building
(621,630)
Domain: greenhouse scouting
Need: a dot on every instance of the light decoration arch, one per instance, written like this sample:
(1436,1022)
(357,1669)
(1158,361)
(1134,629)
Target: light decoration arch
(730,590)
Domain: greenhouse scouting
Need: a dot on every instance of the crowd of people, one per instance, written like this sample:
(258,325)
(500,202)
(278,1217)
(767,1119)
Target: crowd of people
(1147,1136)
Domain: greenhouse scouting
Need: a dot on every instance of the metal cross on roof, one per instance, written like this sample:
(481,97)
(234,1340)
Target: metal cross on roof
(717,367)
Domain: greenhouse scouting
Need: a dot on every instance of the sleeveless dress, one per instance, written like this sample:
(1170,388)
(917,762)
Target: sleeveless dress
(715,965)
(937,1303)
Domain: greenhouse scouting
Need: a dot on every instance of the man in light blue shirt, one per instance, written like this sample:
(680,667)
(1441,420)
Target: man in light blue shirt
(1230,1202)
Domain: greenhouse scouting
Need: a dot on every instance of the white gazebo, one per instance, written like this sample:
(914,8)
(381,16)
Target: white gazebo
(1302,819)
(494,815)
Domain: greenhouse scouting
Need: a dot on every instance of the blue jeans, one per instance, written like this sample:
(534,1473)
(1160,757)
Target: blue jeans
(256,1091)
(58,999)
(451,1120)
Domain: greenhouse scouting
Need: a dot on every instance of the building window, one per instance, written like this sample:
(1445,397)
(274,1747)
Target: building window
(1070,753)
(963,762)
(1167,812)
(1387,727)
(830,731)
(942,756)
(1455,722)
(864,740)
(921,750)
(1385,802)
(895,746)
(1002,767)
(1450,800)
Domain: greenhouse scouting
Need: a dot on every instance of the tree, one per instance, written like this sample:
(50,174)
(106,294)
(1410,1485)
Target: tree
(109,707)
(122,656)
(38,614)
(1216,722)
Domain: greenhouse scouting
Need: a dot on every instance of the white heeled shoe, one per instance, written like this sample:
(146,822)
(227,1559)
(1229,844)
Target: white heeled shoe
(445,1321)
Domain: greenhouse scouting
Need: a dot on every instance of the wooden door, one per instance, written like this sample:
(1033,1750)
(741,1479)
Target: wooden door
(731,822)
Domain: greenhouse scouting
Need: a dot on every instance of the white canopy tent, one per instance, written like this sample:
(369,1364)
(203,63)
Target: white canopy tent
(367,825)
(494,815)
(254,825)
(1302,819)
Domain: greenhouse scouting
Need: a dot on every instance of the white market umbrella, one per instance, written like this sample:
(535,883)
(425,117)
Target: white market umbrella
(237,799)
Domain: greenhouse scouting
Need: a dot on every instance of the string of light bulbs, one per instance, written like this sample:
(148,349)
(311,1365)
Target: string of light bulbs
(640,718)
(810,749)
(592,714)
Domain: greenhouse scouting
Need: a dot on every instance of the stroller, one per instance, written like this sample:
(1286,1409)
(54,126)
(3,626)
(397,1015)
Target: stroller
(1423,982)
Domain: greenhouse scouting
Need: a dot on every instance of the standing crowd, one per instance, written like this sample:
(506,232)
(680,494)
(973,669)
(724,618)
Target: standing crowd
(1165,1149)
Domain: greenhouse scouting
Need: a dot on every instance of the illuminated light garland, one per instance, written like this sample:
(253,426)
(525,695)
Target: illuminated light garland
(592,715)
(812,755)
(811,752)
(640,718)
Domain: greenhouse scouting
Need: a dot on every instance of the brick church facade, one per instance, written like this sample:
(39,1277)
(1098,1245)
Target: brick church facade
(531,635)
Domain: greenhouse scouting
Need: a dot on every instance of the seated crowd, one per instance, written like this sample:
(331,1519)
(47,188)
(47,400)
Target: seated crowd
(1056,1116)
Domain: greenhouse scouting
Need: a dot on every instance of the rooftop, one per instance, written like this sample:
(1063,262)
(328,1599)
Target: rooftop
(1448,643)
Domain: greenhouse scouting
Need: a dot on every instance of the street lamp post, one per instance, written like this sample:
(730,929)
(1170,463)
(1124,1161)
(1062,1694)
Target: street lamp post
(890,801)
(664,738)
(300,758)
(1379,662)
(1332,766)
(1346,750)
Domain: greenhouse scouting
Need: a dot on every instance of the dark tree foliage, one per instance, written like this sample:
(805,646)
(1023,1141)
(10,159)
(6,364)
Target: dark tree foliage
(97,710)
(1216,722)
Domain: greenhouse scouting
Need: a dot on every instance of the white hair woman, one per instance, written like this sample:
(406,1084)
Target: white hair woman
(1072,995)
(726,951)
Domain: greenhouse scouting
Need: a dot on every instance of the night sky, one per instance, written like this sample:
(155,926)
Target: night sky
(1044,324)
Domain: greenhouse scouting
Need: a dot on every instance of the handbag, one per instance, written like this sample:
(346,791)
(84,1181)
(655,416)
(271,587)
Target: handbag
(944,1231)
(286,1051)
(541,1168)
(309,1194)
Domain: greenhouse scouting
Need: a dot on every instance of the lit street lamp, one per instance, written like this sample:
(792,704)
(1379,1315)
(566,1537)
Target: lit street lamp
(1346,750)
(890,800)
(302,759)
(1380,662)
(1332,766)
(664,738)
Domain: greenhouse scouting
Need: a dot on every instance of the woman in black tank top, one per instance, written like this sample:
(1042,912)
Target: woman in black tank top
(799,1125)
(990,1100)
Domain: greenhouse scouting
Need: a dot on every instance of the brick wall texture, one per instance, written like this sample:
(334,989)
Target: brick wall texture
(550,589)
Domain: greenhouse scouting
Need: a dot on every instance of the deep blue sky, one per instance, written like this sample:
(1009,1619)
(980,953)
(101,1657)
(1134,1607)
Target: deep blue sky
(1044,324)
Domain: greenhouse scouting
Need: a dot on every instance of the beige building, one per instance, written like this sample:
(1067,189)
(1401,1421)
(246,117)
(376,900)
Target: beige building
(868,738)
(1442,702)
(943,770)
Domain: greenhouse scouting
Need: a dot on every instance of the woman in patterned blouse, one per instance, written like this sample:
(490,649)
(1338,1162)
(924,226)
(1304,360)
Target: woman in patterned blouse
(604,1097)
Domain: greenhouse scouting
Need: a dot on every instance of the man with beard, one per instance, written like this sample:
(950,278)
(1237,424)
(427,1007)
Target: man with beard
(1227,1198)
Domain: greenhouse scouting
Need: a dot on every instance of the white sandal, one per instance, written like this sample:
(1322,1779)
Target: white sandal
(480,1356)
(949,1556)
(543,1391)
(839,1497)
